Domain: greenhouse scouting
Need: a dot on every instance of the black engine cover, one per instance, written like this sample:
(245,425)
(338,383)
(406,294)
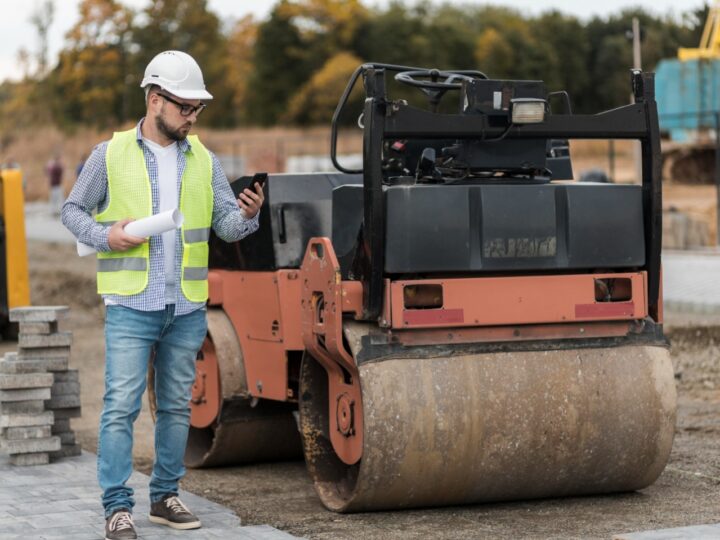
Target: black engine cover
(503,228)
(446,228)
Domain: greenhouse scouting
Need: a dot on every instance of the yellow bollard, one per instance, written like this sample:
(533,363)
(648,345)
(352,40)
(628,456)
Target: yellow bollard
(12,212)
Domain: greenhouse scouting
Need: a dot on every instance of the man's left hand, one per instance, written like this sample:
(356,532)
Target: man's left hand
(250,201)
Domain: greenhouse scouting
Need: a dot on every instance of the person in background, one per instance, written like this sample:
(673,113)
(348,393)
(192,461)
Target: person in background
(55,170)
(80,165)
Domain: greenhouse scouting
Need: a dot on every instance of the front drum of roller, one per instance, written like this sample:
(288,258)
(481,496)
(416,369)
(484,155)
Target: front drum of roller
(496,427)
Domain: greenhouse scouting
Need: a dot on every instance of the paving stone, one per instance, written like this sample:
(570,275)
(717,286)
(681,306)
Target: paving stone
(29,406)
(43,353)
(41,508)
(61,425)
(26,394)
(65,388)
(86,533)
(34,458)
(67,438)
(22,529)
(66,450)
(38,327)
(35,341)
(26,420)
(24,365)
(31,432)
(26,380)
(70,375)
(55,518)
(26,446)
(39,313)
(63,402)
(75,412)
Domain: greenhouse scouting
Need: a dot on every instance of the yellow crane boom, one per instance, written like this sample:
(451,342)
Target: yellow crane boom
(709,42)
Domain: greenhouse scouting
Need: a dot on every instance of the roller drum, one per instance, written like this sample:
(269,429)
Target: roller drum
(245,430)
(245,434)
(497,426)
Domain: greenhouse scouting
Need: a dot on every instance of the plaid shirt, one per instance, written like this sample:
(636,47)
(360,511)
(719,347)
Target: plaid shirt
(90,193)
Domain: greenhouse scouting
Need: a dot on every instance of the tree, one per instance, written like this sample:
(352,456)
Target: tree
(396,36)
(325,25)
(565,38)
(292,66)
(278,67)
(515,51)
(241,44)
(315,102)
(296,41)
(90,79)
(42,19)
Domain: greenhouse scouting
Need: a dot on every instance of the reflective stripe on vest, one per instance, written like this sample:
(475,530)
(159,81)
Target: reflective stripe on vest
(195,274)
(124,263)
(130,196)
(197,235)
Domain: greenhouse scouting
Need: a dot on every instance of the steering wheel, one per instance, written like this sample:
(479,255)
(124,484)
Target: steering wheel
(439,82)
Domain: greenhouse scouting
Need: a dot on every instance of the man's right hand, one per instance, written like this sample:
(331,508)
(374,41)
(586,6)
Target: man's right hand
(119,240)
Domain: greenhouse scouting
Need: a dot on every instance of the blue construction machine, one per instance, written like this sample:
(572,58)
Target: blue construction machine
(688,98)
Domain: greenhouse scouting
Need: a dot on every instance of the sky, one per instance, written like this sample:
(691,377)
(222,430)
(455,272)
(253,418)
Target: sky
(16,30)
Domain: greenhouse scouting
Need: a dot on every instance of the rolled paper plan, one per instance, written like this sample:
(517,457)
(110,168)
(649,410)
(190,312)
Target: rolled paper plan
(149,226)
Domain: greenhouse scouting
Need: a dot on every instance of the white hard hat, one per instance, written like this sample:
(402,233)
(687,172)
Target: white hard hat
(178,73)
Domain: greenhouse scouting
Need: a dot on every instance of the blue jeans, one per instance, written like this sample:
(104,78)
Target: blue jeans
(130,336)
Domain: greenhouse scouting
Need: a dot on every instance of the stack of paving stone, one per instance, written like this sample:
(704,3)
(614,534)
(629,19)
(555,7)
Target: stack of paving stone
(25,425)
(43,350)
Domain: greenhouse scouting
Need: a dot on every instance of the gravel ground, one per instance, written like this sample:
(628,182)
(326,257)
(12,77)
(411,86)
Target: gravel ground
(282,495)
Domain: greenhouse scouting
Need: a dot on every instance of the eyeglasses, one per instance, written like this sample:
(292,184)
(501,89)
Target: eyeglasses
(185,109)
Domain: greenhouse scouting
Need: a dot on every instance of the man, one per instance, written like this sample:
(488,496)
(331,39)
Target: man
(154,289)
(55,171)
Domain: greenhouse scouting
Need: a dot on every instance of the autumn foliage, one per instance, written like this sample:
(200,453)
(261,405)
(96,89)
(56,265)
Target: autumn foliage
(290,68)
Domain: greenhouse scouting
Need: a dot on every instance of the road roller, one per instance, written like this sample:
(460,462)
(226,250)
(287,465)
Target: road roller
(455,322)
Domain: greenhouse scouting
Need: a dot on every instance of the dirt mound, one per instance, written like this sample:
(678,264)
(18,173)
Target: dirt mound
(59,277)
(696,356)
(63,287)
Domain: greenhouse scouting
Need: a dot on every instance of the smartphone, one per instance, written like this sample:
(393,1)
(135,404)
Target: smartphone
(260,178)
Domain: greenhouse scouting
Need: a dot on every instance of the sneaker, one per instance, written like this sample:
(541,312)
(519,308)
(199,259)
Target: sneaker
(120,526)
(172,512)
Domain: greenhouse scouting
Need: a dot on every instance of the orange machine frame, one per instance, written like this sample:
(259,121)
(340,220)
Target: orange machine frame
(276,314)
(518,300)
(265,308)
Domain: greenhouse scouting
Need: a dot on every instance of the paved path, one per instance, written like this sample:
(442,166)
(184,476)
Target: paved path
(62,501)
(691,281)
(42,224)
(697,532)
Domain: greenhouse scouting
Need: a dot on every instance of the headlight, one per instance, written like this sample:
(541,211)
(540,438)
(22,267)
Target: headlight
(528,110)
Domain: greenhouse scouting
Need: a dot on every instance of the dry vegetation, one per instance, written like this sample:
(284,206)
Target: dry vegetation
(262,149)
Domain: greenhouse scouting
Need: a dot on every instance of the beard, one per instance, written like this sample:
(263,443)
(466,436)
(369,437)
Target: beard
(172,134)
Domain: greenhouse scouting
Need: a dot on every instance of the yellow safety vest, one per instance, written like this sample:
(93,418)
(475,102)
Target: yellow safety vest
(126,272)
